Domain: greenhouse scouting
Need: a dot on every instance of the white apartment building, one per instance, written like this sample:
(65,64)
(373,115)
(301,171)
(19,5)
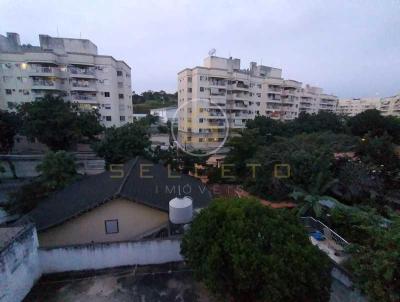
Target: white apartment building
(387,105)
(352,107)
(70,68)
(166,114)
(220,95)
(390,105)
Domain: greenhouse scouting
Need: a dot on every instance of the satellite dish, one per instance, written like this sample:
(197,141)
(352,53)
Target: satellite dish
(212,52)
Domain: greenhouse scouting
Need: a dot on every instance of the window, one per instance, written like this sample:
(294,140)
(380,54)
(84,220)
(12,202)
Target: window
(120,84)
(189,79)
(122,118)
(189,89)
(108,118)
(107,106)
(106,94)
(201,89)
(119,73)
(200,140)
(111,226)
(8,91)
(121,96)
(200,120)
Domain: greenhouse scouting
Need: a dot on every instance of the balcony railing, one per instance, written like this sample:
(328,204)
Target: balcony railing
(81,71)
(313,224)
(39,69)
(48,83)
(83,97)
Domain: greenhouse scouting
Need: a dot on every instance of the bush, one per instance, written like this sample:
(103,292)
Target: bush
(244,251)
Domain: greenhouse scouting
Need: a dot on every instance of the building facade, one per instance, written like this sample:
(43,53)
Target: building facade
(70,68)
(220,97)
(390,105)
(352,107)
(165,114)
(386,105)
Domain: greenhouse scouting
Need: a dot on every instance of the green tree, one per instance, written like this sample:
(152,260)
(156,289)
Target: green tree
(372,122)
(123,143)
(57,169)
(376,265)
(88,125)
(9,126)
(26,197)
(378,151)
(57,123)
(234,247)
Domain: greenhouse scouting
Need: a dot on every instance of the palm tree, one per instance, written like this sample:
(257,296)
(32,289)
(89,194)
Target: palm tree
(311,199)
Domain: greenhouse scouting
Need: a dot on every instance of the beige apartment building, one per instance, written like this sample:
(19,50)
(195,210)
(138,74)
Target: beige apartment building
(70,68)
(387,105)
(352,107)
(220,96)
(390,105)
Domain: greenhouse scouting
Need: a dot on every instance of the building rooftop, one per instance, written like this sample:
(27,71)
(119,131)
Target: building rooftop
(139,180)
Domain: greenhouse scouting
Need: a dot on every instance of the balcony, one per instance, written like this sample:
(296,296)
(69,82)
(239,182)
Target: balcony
(240,86)
(82,98)
(77,72)
(83,86)
(217,83)
(37,70)
(45,84)
(275,89)
(326,239)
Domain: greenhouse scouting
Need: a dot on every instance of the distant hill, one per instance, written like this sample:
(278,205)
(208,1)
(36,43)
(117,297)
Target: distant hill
(144,102)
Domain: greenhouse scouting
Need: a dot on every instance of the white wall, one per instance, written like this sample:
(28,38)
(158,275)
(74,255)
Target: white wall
(19,266)
(104,255)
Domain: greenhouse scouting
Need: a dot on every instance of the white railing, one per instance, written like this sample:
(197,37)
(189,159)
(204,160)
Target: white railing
(316,225)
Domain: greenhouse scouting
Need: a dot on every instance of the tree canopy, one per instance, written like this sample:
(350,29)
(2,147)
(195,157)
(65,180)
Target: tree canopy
(57,169)
(123,143)
(56,123)
(9,126)
(243,251)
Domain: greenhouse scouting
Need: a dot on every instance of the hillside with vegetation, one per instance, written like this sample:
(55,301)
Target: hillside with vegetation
(144,102)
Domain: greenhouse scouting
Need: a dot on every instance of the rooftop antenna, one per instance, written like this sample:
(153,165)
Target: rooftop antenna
(212,52)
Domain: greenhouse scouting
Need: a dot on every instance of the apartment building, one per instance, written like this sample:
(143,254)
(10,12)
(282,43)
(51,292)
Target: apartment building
(390,105)
(352,107)
(70,68)
(220,96)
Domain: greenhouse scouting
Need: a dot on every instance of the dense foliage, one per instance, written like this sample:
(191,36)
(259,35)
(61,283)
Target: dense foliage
(56,123)
(57,169)
(123,143)
(9,125)
(235,249)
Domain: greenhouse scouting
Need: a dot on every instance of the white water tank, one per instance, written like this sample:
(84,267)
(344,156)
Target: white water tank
(181,210)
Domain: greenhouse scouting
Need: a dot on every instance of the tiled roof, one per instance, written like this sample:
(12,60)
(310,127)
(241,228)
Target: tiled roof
(155,188)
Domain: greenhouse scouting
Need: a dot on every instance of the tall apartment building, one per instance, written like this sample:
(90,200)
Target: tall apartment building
(387,105)
(352,107)
(70,68)
(390,105)
(220,95)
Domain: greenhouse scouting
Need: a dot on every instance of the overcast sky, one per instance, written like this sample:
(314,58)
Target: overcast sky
(349,48)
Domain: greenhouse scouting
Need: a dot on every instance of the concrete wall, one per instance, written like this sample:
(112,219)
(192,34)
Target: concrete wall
(25,165)
(19,266)
(105,255)
(134,221)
